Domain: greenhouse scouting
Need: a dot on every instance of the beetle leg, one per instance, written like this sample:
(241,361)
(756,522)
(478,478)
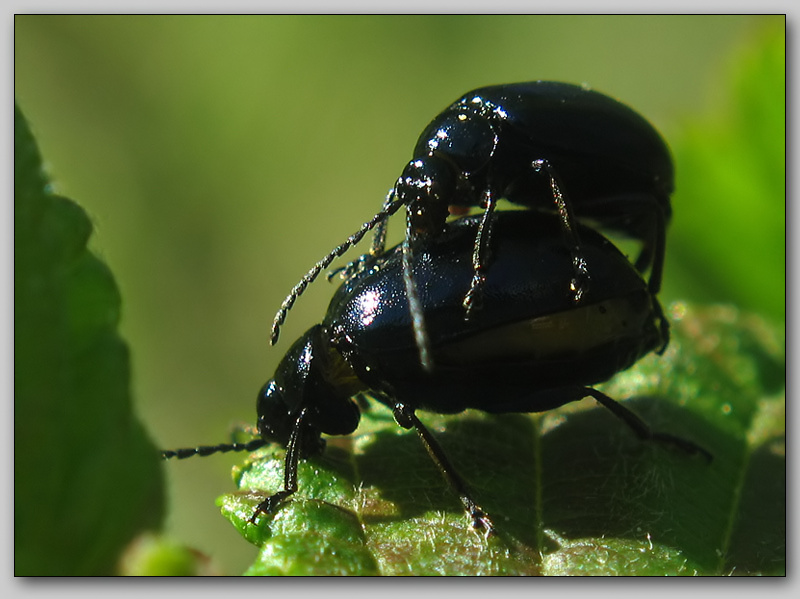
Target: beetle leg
(407,419)
(658,251)
(655,250)
(554,398)
(580,280)
(415,304)
(640,427)
(663,325)
(474,298)
(653,235)
(650,218)
(293,450)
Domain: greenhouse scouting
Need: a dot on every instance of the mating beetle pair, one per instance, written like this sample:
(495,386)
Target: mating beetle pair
(544,145)
(551,306)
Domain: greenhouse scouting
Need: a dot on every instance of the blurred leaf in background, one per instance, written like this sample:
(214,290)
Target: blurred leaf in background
(86,475)
(728,241)
(221,156)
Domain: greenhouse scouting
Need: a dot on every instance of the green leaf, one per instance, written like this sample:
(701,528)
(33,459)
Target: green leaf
(571,491)
(86,477)
(727,241)
(152,555)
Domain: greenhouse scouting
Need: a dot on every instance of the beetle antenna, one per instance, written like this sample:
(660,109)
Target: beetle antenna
(205,450)
(388,209)
(377,248)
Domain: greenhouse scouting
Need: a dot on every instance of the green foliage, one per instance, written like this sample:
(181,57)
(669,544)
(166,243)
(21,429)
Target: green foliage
(153,555)
(86,477)
(728,238)
(572,491)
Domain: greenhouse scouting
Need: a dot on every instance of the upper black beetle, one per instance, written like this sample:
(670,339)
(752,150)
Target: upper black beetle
(544,145)
(531,350)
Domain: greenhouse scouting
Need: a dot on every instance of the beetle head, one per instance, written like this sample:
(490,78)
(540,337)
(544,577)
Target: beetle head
(427,187)
(276,422)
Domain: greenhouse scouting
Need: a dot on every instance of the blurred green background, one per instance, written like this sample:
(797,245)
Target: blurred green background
(221,156)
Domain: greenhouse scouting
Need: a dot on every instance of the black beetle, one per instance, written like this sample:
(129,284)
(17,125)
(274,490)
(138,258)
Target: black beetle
(530,349)
(544,145)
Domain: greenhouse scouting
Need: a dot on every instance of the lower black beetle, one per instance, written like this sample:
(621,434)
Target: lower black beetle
(529,350)
(546,145)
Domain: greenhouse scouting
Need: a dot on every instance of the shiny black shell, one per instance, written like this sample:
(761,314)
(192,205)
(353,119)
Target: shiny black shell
(528,339)
(599,146)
